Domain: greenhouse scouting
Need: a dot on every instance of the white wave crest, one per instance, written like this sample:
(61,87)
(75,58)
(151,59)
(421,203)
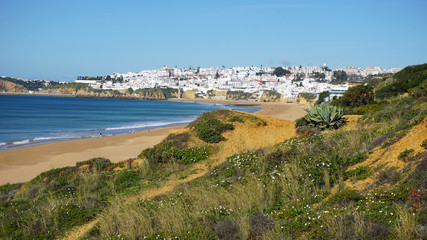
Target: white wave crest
(149,124)
(51,138)
(26,141)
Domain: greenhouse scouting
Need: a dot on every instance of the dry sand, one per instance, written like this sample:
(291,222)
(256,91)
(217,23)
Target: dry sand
(23,164)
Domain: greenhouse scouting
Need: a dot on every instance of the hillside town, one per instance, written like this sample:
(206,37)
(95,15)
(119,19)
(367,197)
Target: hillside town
(289,82)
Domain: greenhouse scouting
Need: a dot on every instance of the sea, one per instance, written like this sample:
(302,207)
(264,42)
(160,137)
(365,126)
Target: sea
(31,120)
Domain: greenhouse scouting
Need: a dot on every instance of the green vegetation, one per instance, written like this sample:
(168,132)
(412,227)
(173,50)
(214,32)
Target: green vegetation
(279,72)
(173,150)
(322,117)
(293,190)
(84,90)
(33,85)
(322,97)
(307,96)
(211,129)
(405,154)
(236,119)
(272,95)
(357,96)
(169,92)
(237,95)
(359,173)
(339,77)
(404,81)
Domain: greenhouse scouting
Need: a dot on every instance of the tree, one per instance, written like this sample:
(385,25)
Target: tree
(319,76)
(357,96)
(216,75)
(340,76)
(279,71)
(322,97)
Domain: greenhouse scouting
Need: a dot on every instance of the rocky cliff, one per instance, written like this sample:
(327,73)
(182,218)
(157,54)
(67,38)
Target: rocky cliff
(271,96)
(85,91)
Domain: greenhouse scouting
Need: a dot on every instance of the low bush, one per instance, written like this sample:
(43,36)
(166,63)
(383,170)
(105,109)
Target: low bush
(359,173)
(192,155)
(345,196)
(236,119)
(403,155)
(389,176)
(210,130)
(126,179)
(100,164)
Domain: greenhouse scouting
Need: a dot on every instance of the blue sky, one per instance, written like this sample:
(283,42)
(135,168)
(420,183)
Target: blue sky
(59,40)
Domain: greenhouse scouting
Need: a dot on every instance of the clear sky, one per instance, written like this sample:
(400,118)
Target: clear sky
(59,40)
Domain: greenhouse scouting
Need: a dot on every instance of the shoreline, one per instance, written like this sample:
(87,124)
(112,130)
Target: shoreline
(25,163)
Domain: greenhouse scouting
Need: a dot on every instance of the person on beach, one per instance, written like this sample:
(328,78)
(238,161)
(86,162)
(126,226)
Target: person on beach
(100,134)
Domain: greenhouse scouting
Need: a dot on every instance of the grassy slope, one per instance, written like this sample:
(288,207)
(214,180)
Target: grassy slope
(354,183)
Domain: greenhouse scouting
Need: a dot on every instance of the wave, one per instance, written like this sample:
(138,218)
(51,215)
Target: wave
(26,141)
(149,124)
(51,138)
(2,143)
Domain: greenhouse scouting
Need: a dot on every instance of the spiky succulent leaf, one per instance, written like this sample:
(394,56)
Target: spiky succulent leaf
(325,116)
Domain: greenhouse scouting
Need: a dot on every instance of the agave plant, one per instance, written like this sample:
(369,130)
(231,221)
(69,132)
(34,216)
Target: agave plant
(325,116)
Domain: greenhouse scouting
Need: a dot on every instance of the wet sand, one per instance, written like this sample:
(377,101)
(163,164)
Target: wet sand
(23,164)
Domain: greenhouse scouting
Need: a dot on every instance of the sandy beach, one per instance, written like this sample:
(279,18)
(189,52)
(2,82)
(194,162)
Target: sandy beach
(23,164)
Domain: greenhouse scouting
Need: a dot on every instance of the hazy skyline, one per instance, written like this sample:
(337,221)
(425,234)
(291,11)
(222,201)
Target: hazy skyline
(58,40)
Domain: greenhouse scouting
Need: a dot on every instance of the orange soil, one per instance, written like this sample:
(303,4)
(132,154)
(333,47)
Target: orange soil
(388,157)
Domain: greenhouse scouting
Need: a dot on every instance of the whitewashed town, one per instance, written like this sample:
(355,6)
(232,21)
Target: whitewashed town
(288,81)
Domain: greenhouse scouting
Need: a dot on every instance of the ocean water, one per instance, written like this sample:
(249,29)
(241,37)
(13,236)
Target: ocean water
(29,120)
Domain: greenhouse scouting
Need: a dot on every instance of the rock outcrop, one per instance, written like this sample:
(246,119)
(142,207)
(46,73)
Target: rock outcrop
(271,96)
(78,91)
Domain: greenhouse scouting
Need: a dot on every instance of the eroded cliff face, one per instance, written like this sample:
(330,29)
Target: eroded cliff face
(189,94)
(271,96)
(7,86)
(149,94)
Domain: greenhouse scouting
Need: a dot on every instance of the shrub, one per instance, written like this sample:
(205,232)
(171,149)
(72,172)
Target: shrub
(100,164)
(164,152)
(236,119)
(404,80)
(358,173)
(390,176)
(307,96)
(357,96)
(227,229)
(345,196)
(424,144)
(210,130)
(192,155)
(259,225)
(403,155)
(126,179)
(369,108)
